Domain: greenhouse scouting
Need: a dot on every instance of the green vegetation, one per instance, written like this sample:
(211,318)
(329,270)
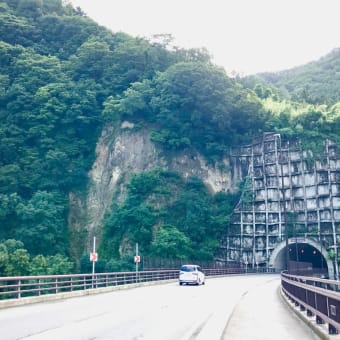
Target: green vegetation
(169,217)
(16,261)
(193,104)
(63,78)
(311,124)
(57,69)
(317,82)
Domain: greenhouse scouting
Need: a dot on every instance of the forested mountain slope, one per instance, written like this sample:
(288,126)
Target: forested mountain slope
(63,81)
(317,82)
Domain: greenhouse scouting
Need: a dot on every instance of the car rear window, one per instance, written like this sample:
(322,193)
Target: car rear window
(188,268)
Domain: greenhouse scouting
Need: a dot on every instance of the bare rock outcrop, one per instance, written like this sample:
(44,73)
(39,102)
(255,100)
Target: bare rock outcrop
(121,152)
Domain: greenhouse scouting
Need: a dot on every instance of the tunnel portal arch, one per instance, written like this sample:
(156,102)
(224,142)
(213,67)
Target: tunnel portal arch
(299,248)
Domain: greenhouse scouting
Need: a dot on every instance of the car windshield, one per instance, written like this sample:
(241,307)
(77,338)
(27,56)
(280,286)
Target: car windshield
(188,268)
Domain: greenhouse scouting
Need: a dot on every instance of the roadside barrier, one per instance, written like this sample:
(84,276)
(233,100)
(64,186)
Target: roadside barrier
(318,298)
(29,286)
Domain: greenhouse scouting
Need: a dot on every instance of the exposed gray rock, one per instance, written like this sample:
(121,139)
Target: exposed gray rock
(121,152)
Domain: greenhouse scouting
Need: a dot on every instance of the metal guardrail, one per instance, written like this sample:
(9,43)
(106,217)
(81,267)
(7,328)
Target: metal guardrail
(319,298)
(24,286)
(27,286)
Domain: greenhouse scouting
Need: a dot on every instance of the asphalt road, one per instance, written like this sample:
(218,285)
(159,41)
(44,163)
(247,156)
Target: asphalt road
(161,312)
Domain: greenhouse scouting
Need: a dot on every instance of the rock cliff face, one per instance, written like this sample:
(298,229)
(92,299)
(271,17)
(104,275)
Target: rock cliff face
(119,153)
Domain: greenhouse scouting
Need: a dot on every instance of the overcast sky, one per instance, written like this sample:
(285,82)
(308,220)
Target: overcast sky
(246,36)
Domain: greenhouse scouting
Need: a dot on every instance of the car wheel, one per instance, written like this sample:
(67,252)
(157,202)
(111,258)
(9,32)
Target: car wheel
(180,283)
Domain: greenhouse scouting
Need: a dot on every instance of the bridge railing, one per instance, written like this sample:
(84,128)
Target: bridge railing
(319,298)
(23,286)
(16,287)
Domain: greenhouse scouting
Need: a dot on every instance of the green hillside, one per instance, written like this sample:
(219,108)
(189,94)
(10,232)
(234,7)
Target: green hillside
(317,82)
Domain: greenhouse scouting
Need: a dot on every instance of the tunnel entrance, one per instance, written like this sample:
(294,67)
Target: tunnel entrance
(305,258)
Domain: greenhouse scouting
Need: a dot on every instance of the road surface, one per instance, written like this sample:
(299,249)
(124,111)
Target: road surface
(224,308)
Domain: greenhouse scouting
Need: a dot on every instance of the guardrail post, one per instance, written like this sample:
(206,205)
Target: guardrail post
(56,286)
(319,321)
(38,292)
(310,313)
(19,289)
(332,329)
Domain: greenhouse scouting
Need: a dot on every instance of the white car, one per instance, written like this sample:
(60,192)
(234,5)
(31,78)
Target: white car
(191,274)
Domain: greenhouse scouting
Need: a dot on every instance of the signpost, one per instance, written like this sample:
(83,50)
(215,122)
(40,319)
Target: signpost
(93,258)
(137,260)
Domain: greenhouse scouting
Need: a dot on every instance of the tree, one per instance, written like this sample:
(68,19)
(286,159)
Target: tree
(59,265)
(92,61)
(3,259)
(12,245)
(43,229)
(138,222)
(9,181)
(8,216)
(13,3)
(30,8)
(18,263)
(38,265)
(53,7)
(170,243)
(191,214)
(192,104)
(14,258)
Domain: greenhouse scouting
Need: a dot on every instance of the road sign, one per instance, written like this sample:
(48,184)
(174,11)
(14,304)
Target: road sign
(137,259)
(93,257)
